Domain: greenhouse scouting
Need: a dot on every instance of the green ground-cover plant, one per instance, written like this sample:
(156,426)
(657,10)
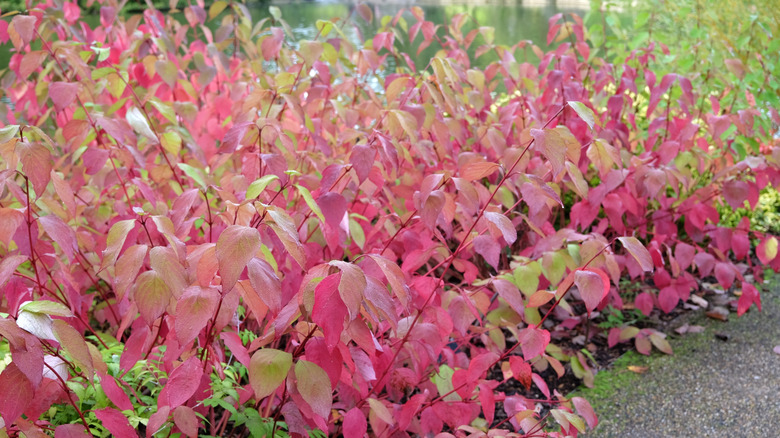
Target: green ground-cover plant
(287,237)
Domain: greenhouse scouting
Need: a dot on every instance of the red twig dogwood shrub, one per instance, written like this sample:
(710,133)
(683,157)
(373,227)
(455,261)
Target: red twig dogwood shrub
(207,226)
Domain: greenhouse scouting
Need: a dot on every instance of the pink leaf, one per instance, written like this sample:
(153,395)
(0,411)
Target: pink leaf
(533,341)
(488,402)
(10,220)
(586,411)
(355,425)
(521,371)
(71,431)
(8,267)
(362,160)
(638,251)
(61,233)
(735,192)
(233,342)
(115,422)
(487,247)
(186,420)
(36,164)
(592,285)
(184,381)
(16,395)
(25,27)
(235,247)
(504,225)
(725,274)
(63,94)
(193,311)
(644,302)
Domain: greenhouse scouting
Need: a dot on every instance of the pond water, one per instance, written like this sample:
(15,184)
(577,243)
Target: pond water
(513,20)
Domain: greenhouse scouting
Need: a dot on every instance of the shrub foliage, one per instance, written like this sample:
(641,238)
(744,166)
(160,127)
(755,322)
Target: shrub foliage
(207,226)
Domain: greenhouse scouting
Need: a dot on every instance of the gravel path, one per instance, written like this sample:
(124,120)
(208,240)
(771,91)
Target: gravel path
(709,388)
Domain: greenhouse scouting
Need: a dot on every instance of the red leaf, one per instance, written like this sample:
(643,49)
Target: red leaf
(233,136)
(684,254)
(115,393)
(233,342)
(668,299)
(193,311)
(487,402)
(521,371)
(593,285)
(749,296)
(115,422)
(541,384)
(638,251)
(16,395)
(329,311)
(63,94)
(184,381)
(351,287)
(585,411)
(480,364)
(127,267)
(533,341)
(355,425)
(235,247)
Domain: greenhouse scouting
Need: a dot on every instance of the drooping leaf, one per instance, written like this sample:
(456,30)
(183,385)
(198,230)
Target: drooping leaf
(184,381)
(267,371)
(74,344)
(638,251)
(235,247)
(309,378)
(593,285)
(256,188)
(61,233)
(115,241)
(115,422)
(138,121)
(504,225)
(329,310)
(749,297)
(36,164)
(8,266)
(193,311)
(151,295)
(351,286)
(16,395)
(115,393)
(585,113)
(533,341)
(355,425)
(63,94)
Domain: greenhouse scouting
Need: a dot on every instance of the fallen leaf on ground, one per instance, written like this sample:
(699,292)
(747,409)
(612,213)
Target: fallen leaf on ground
(777,349)
(685,328)
(699,301)
(719,313)
(637,369)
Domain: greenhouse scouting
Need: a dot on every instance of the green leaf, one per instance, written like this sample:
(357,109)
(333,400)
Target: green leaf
(267,370)
(47,307)
(310,202)
(256,188)
(275,12)
(314,386)
(216,8)
(115,241)
(8,132)
(324,27)
(196,174)
(138,121)
(151,295)
(166,110)
(171,142)
(584,112)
